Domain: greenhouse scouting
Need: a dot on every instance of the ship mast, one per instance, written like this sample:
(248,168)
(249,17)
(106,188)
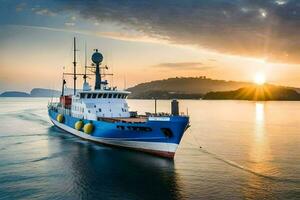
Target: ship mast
(86,86)
(85,65)
(74,63)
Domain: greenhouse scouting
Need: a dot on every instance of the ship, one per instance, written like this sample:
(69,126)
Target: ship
(102,114)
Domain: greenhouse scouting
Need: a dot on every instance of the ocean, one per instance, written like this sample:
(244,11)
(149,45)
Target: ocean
(233,150)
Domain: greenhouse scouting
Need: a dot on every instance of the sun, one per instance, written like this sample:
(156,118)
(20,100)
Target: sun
(259,79)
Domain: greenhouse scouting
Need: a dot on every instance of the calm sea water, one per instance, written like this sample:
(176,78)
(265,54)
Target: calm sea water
(249,150)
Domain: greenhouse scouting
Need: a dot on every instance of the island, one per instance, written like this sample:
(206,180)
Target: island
(14,94)
(35,92)
(256,93)
(182,88)
(41,92)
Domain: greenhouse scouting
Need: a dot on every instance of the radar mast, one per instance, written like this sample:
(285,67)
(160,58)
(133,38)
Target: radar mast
(97,59)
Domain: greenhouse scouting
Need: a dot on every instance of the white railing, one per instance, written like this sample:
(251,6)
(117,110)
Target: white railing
(59,109)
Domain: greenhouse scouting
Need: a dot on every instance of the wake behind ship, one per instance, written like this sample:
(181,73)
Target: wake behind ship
(102,115)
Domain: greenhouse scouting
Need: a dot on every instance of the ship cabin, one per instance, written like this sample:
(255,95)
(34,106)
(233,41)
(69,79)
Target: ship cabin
(97,104)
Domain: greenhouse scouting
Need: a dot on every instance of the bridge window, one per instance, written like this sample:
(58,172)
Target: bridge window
(109,95)
(115,95)
(104,95)
(89,96)
(100,95)
(119,96)
(94,95)
(82,95)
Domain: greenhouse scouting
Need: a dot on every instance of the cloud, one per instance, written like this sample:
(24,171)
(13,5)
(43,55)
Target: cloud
(126,36)
(43,11)
(268,29)
(73,18)
(20,7)
(70,24)
(110,35)
(196,66)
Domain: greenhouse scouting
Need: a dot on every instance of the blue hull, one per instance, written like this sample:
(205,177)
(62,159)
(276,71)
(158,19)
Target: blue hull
(149,136)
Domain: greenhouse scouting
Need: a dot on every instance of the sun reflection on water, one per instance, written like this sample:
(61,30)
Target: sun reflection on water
(259,121)
(259,111)
(260,153)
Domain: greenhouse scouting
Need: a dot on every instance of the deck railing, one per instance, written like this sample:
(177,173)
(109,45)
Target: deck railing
(57,107)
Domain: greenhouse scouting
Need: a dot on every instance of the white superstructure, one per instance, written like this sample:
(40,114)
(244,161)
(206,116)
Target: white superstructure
(95,104)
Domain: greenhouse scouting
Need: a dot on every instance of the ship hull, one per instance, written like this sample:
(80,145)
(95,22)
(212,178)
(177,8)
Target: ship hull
(153,142)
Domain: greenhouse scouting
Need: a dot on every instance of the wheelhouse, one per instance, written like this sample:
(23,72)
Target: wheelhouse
(102,95)
(99,104)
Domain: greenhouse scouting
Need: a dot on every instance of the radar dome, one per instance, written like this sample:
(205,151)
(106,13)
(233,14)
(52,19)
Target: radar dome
(97,57)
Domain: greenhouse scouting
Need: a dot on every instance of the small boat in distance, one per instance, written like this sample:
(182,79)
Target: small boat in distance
(102,115)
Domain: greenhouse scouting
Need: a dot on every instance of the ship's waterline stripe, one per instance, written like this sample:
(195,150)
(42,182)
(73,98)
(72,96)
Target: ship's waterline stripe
(154,146)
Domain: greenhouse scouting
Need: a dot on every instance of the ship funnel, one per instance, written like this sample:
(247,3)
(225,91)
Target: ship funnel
(175,107)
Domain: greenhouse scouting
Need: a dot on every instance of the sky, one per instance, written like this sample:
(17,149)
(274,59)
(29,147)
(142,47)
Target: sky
(146,40)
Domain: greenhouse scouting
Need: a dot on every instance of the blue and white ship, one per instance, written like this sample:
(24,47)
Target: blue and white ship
(102,115)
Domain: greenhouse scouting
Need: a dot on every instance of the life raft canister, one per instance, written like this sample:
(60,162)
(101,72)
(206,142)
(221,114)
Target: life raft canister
(60,118)
(79,125)
(88,128)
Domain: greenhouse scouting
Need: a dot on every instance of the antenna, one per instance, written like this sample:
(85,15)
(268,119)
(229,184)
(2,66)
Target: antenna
(155,105)
(85,63)
(112,69)
(74,63)
(112,77)
(124,82)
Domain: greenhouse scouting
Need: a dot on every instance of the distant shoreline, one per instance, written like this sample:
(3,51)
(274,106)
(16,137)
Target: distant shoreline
(168,99)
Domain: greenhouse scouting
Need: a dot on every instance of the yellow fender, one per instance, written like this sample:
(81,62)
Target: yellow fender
(60,118)
(79,125)
(88,128)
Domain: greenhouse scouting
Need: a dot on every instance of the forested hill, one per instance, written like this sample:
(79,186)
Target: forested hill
(188,87)
(256,93)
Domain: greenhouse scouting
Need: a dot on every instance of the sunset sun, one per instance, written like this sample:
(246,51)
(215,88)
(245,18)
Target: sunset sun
(259,79)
